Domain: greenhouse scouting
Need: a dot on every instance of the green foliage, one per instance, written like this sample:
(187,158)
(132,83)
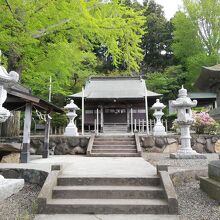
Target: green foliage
(167,83)
(196,35)
(60,38)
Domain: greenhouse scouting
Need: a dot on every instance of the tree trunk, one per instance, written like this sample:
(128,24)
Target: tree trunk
(11,128)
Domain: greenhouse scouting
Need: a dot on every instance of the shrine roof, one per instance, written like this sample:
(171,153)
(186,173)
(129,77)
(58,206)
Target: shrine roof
(209,76)
(115,88)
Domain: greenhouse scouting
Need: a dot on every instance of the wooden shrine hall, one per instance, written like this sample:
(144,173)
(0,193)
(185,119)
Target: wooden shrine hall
(20,98)
(114,104)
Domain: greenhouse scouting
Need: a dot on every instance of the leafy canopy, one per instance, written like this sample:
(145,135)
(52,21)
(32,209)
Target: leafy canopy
(41,38)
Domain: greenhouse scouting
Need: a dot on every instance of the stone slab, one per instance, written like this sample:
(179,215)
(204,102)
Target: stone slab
(9,187)
(214,170)
(81,166)
(107,217)
(187,156)
(211,187)
(11,158)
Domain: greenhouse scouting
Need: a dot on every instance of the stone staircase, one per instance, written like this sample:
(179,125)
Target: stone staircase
(115,128)
(102,195)
(115,146)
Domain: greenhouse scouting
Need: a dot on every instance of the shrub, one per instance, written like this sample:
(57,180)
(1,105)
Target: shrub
(204,123)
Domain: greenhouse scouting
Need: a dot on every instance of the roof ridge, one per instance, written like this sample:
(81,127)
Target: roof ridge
(115,77)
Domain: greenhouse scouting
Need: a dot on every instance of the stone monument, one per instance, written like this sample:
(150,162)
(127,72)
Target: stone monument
(71,129)
(183,105)
(159,129)
(9,187)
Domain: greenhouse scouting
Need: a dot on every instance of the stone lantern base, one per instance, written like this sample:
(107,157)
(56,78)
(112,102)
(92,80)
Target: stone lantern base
(189,155)
(71,130)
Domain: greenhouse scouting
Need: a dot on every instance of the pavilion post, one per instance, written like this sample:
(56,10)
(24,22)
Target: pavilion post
(45,152)
(83,110)
(25,151)
(102,119)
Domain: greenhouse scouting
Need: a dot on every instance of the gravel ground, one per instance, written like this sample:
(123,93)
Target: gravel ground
(20,206)
(194,204)
(161,158)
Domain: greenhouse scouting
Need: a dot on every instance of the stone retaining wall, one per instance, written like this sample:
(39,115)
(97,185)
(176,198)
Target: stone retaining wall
(59,145)
(170,143)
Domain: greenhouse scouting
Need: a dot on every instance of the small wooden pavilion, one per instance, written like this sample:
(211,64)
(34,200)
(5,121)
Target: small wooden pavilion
(20,98)
(114,103)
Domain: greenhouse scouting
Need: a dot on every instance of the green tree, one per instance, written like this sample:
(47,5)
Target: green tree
(196,35)
(157,38)
(45,38)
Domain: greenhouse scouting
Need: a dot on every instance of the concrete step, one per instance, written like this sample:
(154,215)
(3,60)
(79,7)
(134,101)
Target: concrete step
(106,217)
(107,142)
(115,151)
(114,139)
(107,181)
(114,147)
(106,206)
(108,192)
(115,155)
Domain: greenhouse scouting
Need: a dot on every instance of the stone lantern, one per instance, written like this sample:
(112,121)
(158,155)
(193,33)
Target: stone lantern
(71,129)
(158,129)
(183,105)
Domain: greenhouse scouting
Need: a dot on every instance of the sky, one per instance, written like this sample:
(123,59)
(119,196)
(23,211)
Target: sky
(170,6)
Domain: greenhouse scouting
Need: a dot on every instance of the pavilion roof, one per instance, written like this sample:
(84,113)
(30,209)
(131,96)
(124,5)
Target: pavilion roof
(115,88)
(209,77)
(18,96)
(202,95)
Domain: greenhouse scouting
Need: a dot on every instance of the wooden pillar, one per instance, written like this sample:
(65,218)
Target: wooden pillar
(102,119)
(45,152)
(128,122)
(132,121)
(25,151)
(97,120)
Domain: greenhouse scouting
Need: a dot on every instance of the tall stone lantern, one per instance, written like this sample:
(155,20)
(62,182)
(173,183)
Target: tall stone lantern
(183,105)
(158,129)
(71,129)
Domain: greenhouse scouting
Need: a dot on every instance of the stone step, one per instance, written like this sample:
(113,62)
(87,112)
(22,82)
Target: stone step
(107,142)
(115,155)
(115,151)
(108,192)
(114,136)
(114,147)
(114,139)
(108,181)
(106,206)
(107,217)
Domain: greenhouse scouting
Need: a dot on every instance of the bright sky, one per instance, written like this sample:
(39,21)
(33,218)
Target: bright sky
(170,6)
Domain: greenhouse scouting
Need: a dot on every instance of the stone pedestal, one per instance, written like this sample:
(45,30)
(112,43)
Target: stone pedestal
(9,187)
(211,184)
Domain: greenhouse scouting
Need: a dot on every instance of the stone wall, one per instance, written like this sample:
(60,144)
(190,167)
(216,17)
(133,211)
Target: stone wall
(59,145)
(170,143)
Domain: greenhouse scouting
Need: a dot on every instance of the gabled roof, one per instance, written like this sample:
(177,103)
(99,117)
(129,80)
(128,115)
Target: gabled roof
(115,88)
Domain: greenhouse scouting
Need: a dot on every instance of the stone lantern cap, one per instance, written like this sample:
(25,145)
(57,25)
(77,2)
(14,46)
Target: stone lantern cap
(71,106)
(158,105)
(183,100)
